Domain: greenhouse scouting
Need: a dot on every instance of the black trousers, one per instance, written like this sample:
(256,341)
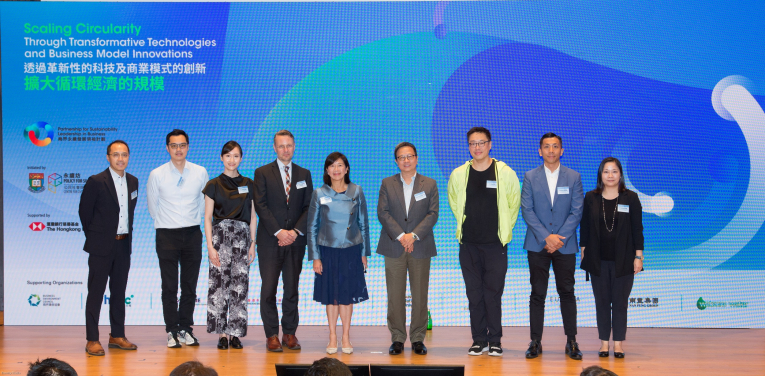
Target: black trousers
(287,262)
(484,268)
(611,298)
(539,270)
(113,269)
(179,246)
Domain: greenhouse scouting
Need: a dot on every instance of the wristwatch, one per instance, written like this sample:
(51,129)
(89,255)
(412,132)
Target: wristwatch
(639,258)
(415,236)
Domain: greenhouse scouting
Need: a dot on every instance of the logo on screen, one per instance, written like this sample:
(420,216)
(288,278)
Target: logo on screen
(54,180)
(40,133)
(128,300)
(34,300)
(37,226)
(36,184)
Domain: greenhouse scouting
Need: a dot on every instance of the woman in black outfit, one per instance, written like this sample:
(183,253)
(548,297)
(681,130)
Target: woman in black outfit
(612,234)
(230,225)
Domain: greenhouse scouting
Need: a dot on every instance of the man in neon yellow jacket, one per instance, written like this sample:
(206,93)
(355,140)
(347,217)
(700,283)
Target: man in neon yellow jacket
(484,195)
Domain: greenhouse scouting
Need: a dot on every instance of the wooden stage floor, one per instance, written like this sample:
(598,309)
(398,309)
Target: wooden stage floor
(649,351)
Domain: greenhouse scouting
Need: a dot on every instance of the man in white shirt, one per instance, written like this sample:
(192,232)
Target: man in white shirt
(106,211)
(176,204)
(551,203)
(282,196)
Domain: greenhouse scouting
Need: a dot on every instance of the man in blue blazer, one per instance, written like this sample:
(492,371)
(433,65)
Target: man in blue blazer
(551,203)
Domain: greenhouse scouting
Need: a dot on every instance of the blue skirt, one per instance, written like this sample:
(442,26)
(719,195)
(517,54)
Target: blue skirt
(342,280)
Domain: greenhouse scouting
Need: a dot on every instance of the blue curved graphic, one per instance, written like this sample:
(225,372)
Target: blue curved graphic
(676,148)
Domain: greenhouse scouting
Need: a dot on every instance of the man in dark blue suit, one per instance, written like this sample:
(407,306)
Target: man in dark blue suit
(551,203)
(106,212)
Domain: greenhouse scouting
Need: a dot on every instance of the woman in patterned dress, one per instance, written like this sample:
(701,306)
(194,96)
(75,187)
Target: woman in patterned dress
(230,230)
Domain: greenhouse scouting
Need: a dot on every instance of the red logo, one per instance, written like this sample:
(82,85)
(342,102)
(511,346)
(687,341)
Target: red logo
(37,226)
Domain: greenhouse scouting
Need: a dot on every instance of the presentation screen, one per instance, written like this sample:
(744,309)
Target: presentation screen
(674,90)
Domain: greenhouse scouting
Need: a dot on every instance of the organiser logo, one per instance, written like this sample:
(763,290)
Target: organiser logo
(37,226)
(54,180)
(34,300)
(36,182)
(40,134)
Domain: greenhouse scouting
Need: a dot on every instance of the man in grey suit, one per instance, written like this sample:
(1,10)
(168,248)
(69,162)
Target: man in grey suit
(408,211)
(551,204)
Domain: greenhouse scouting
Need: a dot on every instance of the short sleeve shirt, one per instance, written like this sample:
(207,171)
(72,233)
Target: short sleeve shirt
(232,196)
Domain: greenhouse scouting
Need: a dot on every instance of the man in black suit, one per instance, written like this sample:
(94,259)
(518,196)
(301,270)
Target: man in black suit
(282,197)
(106,212)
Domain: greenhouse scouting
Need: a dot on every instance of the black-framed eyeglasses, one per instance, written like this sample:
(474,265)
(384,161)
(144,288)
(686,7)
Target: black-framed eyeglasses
(178,146)
(402,158)
(477,143)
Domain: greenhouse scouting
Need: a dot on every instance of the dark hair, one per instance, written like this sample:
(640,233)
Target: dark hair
(596,371)
(550,135)
(176,132)
(193,368)
(332,158)
(328,367)
(599,185)
(50,367)
(403,145)
(230,146)
(284,132)
(479,130)
(108,148)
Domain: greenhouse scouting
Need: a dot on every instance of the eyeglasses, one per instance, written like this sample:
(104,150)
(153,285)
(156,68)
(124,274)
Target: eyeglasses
(118,155)
(477,143)
(178,146)
(409,157)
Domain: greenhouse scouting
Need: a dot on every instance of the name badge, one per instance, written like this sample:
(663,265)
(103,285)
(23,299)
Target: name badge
(491,184)
(244,189)
(562,190)
(325,200)
(301,184)
(419,196)
(133,195)
(623,208)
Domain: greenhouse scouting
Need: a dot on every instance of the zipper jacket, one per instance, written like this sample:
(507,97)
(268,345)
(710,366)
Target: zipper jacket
(508,198)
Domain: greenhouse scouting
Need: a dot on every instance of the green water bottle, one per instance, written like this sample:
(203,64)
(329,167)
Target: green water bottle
(430,321)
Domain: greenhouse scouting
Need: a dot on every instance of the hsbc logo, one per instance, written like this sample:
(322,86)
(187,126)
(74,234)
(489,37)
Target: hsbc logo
(37,226)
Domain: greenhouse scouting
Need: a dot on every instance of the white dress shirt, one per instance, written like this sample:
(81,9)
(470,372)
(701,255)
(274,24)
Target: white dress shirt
(283,174)
(408,188)
(176,200)
(284,184)
(120,183)
(552,181)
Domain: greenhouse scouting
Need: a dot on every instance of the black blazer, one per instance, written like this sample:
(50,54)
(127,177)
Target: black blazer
(271,204)
(100,212)
(629,233)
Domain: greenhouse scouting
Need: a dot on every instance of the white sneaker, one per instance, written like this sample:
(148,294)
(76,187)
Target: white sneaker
(188,338)
(172,340)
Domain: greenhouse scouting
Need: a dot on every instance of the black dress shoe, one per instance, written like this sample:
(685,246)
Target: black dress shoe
(572,349)
(419,348)
(223,343)
(396,348)
(236,343)
(535,348)
(619,355)
(603,354)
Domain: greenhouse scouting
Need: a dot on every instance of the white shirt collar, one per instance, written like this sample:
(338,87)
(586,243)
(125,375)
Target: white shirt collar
(551,171)
(115,175)
(402,178)
(281,164)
